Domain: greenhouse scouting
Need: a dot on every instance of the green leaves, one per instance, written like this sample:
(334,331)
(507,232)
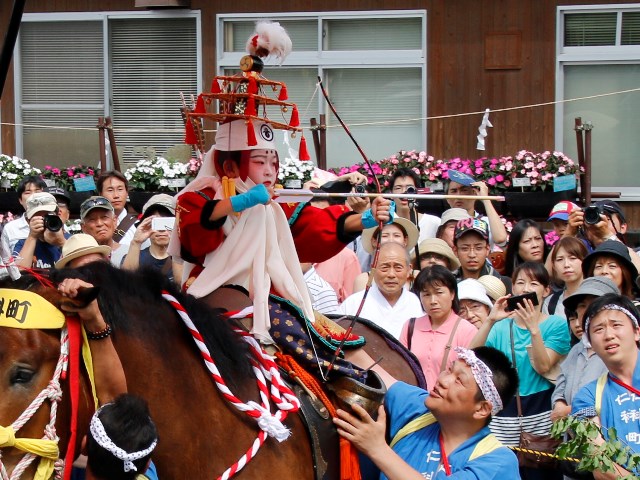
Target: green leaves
(584,439)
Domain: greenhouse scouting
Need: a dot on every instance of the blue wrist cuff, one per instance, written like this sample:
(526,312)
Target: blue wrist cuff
(256,196)
(367,220)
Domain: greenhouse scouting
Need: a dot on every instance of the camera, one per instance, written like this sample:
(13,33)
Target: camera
(592,214)
(52,222)
(410,190)
(360,188)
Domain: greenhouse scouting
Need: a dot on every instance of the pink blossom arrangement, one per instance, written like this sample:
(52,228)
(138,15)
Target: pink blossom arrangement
(498,173)
(542,168)
(63,177)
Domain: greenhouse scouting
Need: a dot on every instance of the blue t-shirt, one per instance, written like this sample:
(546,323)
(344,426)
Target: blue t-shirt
(555,335)
(619,408)
(45,255)
(481,457)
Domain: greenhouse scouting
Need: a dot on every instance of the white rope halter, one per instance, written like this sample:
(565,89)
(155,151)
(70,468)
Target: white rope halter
(53,393)
(102,438)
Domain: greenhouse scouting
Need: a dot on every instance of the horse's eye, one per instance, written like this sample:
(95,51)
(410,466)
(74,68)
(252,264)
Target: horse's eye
(21,376)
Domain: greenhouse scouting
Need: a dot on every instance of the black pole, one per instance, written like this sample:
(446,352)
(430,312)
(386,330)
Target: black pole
(10,40)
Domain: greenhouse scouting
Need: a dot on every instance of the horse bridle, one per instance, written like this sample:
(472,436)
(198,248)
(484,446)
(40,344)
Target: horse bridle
(53,393)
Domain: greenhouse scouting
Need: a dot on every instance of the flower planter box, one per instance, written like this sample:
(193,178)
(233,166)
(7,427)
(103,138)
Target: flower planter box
(535,205)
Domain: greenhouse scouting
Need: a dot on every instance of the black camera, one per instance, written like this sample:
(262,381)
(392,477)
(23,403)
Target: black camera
(52,222)
(411,190)
(360,188)
(592,214)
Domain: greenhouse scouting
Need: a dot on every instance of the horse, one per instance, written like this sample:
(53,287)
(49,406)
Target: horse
(199,433)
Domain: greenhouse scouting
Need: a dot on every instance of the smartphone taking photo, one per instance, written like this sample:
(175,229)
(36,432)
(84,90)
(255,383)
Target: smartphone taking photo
(513,302)
(163,223)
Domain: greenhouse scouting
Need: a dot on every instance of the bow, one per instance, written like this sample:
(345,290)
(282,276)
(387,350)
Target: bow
(376,253)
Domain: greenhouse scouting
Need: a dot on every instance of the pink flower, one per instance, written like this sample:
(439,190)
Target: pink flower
(47,167)
(394,161)
(478,163)
(479,170)
(55,171)
(406,159)
(90,171)
(562,170)
(81,175)
(535,174)
(499,178)
(491,181)
(70,173)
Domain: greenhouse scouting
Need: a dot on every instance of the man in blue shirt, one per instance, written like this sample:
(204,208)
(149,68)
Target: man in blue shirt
(611,326)
(443,433)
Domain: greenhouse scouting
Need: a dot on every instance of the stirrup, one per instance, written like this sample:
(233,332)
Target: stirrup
(369,395)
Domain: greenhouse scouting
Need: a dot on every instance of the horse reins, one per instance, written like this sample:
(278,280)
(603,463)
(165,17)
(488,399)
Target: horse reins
(265,369)
(39,447)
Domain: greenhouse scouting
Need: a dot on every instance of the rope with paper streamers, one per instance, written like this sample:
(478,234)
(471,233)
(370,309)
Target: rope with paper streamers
(363,124)
(265,370)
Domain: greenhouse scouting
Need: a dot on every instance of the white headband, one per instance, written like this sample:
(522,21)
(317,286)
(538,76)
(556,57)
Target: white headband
(610,306)
(100,435)
(483,377)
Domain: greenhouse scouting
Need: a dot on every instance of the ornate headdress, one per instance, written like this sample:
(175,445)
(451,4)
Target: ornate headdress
(245,96)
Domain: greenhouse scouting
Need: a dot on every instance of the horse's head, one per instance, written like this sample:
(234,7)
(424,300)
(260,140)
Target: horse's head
(30,367)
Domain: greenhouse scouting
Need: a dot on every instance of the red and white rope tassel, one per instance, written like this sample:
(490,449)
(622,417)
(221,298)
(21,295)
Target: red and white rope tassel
(53,393)
(265,370)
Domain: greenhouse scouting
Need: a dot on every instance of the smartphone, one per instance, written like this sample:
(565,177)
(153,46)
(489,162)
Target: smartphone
(513,302)
(163,223)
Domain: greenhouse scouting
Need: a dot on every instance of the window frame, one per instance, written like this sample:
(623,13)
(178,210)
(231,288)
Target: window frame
(324,60)
(105,18)
(591,55)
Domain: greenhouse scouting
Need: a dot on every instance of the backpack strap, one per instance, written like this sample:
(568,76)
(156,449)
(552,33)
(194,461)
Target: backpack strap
(412,324)
(553,302)
(124,226)
(602,381)
(447,349)
(413,426)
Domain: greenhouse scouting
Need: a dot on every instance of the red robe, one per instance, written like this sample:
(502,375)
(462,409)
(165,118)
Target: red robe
(318,233)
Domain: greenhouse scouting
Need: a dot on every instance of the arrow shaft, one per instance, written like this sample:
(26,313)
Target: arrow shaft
(415,196)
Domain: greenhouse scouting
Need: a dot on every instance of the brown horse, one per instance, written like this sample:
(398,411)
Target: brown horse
(200,433)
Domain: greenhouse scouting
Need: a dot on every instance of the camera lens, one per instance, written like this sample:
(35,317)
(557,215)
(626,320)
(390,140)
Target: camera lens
(592,215)
(52,222)
(410,190)
(360,188)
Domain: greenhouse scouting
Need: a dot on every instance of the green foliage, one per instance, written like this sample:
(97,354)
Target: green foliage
(585,442)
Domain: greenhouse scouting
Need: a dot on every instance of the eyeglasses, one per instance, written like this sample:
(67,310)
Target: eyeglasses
(470,308)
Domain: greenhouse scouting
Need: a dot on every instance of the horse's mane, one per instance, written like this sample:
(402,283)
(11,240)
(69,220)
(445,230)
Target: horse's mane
(121,289)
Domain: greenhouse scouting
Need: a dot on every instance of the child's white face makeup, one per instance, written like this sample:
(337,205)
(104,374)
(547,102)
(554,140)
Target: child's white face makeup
(263,167)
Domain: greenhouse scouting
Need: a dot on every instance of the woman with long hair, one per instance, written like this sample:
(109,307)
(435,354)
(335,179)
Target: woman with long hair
(526,244)
(538,342)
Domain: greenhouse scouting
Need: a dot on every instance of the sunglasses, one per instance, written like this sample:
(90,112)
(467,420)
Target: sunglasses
(95,202)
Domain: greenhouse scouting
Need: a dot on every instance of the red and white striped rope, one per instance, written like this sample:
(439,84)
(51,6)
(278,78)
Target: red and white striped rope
(265,370)
(52,392)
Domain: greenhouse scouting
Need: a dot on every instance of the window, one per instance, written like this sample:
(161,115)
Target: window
(73,68)
(372,64)
(598,52)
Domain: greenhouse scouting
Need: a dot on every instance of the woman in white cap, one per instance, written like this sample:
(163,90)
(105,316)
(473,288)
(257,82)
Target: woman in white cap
(475,305)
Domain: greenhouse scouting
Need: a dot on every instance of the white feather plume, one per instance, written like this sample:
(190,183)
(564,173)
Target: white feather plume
(269,38)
